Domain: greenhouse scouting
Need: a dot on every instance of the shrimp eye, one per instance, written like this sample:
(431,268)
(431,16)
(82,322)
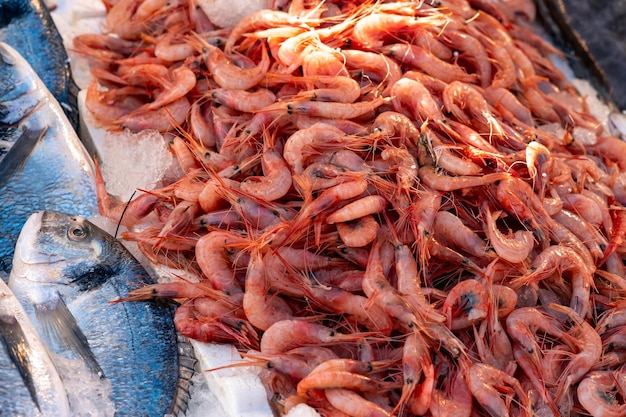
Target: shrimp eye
(77,232)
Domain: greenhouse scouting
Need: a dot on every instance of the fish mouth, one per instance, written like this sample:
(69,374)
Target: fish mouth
(26,248)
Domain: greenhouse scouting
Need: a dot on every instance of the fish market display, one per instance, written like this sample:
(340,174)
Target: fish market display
(595,31)
(43,164)
(394,208)
(67,273)
(31,385)
(26,25)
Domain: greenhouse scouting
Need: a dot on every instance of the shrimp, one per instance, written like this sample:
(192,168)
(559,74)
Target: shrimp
(513,248)
(451,229)
(211,255)
(455,400)
(275,182)
(409,285)
(405,165)
(228,75)
(470,297)
(443,182)
(285,335)
(163,119)
(341,379)
(589,347)
(558,259)
(416,362)
(201,125)
(471,50)
(421,59)
(522,325)
(359,232)
(367,33)
(126,214)
(600,394)
(263,19)
(374,66)
(169,50)
(352,404)
(262,308)
(367,205)
(486,384)
(459,96)
(305,139)
(244,101)
(331,110)
(380,291)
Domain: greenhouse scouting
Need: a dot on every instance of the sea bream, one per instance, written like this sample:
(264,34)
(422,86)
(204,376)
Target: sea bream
(43,164)
(31,385)
(68,273)
(27,26)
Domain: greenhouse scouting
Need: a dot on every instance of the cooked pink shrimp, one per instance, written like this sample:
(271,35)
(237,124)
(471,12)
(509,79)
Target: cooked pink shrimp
(358,233)
(375,66)
(288,334)
(120,20)
(380,291)
(404,164)
(331,110)
(589,350)
(470,297)
(201,125)
(455,400)
(421,59)
(367,205)
(126,214)
(451,229)
(486,384)
(368,35)
(459,97)
(276,179)
(172,47)
(523,325)
(354,306)
(262,19)
(341,379)
(514,247)
(227,74)
(211,255)
(352,404)
(599,393)
(305,139)
(416,363)
(245,101)
(162,119)
(262,308)
(471,50)
(558,259)
(588,233)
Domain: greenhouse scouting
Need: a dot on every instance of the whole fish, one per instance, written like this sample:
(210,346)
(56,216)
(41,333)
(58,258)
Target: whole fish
(43,164)
(594,30)
(26,25)
(31,385)
(67,273)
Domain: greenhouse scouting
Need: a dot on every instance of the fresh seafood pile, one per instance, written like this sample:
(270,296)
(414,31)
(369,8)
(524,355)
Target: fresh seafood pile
(395,208)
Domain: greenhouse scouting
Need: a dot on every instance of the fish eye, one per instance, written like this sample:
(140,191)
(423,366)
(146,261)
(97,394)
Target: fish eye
(77,232)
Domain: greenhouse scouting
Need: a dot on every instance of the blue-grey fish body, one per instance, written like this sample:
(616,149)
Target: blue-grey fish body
(27,26)
(31,385)
(67,272)
(43,164)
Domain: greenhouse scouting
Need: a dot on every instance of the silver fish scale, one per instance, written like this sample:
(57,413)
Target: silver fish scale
(43,164)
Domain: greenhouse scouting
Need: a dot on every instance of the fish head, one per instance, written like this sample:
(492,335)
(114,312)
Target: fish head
(64,250)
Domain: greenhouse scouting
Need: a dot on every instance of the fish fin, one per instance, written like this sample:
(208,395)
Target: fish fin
(59,324)
(19,153)
(187,369)
(14,339)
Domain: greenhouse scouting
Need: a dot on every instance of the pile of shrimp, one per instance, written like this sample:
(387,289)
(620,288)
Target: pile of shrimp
(393,208)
